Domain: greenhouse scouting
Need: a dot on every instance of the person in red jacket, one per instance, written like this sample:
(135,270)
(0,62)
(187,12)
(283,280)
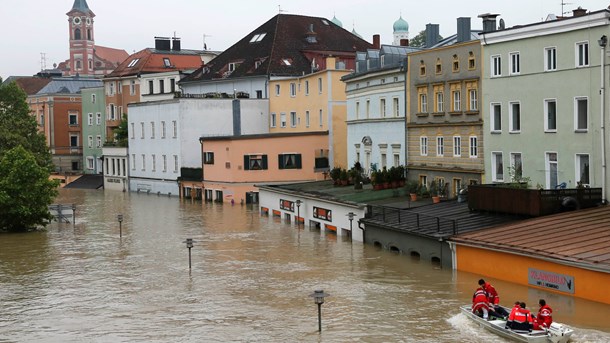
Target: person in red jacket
(493,298)
(480,305)
(545,316)
(520,318)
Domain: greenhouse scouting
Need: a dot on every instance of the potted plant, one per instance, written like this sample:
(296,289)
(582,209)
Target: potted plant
(423,191)
(335,174)
(376,180)
(412,189)
(434,192)
(356,177)
(344,177)
(400,172)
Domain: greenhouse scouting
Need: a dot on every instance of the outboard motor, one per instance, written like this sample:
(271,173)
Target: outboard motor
(559,333)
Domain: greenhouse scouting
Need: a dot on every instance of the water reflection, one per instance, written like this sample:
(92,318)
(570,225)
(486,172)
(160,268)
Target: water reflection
(250,281)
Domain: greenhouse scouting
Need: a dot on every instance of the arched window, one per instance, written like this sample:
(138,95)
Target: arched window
(89,34)
(77,34)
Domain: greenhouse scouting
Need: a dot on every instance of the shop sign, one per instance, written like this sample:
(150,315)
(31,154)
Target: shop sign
(544,279)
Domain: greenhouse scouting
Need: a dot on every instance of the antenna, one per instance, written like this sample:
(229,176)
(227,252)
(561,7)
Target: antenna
(279,8)
(562,4)
(43,61)
(205,46)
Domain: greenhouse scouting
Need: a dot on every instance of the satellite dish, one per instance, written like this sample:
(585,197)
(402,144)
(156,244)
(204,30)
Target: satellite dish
(502,25)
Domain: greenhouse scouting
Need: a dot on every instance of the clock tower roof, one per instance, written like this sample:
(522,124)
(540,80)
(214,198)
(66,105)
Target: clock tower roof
(82,7)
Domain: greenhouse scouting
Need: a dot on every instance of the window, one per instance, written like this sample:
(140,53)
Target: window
(423,146)
(98,141)
(395,107)
(151,87)
(516,164)
(163,130)
(422,68)
(440,146)
(232,66)
(307,118)
(423,103)
(133,62)
(166,62)
(382,107)
(132,130)
(306,87)
(98,118)
(321,119)
(289,161)
(497,172)
(273,120)
(90,141)
(582,54)
(552,170)
(293,89)
(42,119)
(457,101)
(175,129)
(153,162)
(368,108)
(550,59)
(514,117)
(496,118)
(456,64)
(471,61)
(472,100)
(208,157)
(143,162)
(320,84)
(161,86)
(282,119)
(90,119)
(515,63)
(277,90)
(164,158)
(176,163)
(141,130)
(384,160)
(90,164)
(111,88)
(257,64)
(172,85)
(133,161)
(457,146)
(581,116)
(132,87)
(473,147)
(496,65)
(439,66)
(93,98)
(550,115)
(582,169)
(439,102)
(255,162)
(152,130)
(293,119)
(73,118)
(258,37)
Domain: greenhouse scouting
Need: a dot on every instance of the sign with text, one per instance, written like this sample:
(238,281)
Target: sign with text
(322,213)
(287,205)
(558,282)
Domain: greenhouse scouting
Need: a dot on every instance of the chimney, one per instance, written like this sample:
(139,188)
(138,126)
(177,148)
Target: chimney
(162,43)
(176,44)
(431,35)
(463,29)
(404,42)
(376,41)
(489,22)
(579,12)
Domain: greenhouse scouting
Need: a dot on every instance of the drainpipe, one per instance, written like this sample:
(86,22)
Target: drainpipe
(602,43)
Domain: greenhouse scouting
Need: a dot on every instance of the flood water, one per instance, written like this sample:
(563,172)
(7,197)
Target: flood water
(249,282)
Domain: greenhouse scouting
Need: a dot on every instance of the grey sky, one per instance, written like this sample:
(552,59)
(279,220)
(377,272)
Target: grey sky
(30,27)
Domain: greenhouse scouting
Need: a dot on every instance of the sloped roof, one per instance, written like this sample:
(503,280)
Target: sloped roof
(81,6)
(152,61)
(280,46)
(581,237)
(30,84)
(112,55)
(68,85)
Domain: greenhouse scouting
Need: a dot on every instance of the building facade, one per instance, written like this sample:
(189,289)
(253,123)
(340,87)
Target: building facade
(94,133)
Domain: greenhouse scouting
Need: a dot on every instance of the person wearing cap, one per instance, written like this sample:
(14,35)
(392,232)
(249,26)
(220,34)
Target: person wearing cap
(543,320)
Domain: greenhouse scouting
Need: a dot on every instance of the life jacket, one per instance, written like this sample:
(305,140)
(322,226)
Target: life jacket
(520,319)
(479,300)
(544,317)
(492,294)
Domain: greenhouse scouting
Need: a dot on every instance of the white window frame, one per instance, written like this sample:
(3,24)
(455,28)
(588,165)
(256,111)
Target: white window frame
(174,129)
(273,121)
(550,58)
(578,167)
(423,146)
(473,147)
(457,146)
(511,117)
(440,146)
(473,99)
(423,103)
(382,107)
(90,141)
(396,107)
(133,130)
(142,131)
(547,163)
(456,95)
(440,98)
(98,140)
(495,124)
(283,122)
(163,129)
(293,119)
(307,120)
(143,162)
(98,118)
(515,63)
(176,163)
(582,54)
(277,90)
(293,89)
(497,163)
(321,118)
(133,162)
(546,115)
(577,100)
(90,163)
(90,119)
(496,66)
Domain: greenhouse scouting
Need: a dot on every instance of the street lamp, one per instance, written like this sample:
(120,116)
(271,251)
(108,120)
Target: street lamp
(189,244)
(351,216)
(318,298)
(298,212)
(120,219)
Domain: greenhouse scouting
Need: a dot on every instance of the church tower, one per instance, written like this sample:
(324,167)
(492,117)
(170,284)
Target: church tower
(80,23)
(401,30)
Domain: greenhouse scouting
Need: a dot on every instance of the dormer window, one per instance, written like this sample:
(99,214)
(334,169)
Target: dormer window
(133,62)
(166,62)
(257,64)
(257,37)
(286,61)
(232,66)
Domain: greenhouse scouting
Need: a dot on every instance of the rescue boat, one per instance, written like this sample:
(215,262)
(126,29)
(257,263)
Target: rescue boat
(557,333)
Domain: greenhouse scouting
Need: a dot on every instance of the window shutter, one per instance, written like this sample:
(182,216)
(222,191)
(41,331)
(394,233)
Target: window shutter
(246,162)
(298,161)
(280,161)
(264,161)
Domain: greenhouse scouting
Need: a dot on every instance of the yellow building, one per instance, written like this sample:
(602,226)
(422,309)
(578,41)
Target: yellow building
(315,102)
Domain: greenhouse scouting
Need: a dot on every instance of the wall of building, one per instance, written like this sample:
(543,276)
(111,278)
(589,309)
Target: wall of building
(249,85)
(94,133)
(514,268)
(116,169)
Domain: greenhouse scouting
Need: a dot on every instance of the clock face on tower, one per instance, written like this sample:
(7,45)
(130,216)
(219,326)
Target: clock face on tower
(76,20)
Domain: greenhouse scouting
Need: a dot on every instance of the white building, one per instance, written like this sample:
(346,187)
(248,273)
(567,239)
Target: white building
(116,167)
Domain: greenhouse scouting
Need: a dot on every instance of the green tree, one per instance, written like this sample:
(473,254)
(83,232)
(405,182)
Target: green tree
(121,133)
(25,191)
(18,127)
(419,41)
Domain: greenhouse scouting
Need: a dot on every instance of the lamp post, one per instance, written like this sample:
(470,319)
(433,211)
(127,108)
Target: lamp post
(120,219)
(298,202)
(189,244)
(351,216)
(318,298)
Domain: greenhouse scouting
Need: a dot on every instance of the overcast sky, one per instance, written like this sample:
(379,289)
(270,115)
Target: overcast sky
(32,27)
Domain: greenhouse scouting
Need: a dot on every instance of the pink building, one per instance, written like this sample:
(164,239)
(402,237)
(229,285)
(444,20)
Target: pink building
(234,165)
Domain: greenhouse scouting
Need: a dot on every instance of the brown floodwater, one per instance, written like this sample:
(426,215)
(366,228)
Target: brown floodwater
(249,282)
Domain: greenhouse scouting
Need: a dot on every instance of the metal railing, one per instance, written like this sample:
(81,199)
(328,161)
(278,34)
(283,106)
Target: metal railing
(407,220)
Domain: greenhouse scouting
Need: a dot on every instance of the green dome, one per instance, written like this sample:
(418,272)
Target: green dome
(401,25)
(337,21)
(356,34)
